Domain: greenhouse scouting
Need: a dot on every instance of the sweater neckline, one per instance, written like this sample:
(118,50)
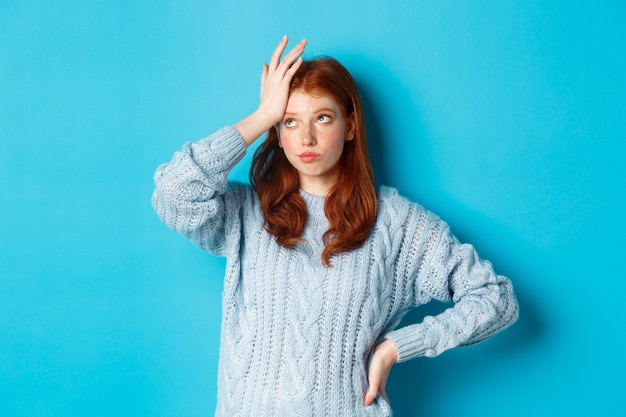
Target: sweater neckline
(314,203)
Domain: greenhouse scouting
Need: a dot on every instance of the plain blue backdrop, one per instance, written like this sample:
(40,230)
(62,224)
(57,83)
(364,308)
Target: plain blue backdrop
(506,118)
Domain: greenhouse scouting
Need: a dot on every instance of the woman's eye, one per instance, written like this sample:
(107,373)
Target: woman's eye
(289,123)
(324,118)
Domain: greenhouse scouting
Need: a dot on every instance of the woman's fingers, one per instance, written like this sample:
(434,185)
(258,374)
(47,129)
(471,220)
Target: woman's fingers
(263,76)
(384,357)
(279,72)
(372,392)
(377,378)
(294,67)
(275,59)
(294,54)
(276,78)
(282,66)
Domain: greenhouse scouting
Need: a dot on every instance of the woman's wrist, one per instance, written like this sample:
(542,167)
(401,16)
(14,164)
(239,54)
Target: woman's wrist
(389,351)
(254,125)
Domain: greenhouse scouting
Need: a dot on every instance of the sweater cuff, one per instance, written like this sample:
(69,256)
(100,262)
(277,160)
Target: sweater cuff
(409,341)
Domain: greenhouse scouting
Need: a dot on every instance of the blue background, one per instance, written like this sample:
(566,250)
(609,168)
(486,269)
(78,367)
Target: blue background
(506,118)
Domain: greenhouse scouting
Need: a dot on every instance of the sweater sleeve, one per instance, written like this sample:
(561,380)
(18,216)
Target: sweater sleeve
(484,302)
(192,195)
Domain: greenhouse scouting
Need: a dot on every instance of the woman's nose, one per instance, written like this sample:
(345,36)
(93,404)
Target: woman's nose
(308,135)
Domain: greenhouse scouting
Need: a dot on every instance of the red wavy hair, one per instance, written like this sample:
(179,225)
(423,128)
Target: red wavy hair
(351,203)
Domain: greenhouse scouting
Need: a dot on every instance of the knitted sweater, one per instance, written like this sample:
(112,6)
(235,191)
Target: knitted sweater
(296,336)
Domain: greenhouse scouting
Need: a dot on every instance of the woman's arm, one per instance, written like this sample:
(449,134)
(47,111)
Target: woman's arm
(449,271)
(484,302)
(190,194)
(190,191)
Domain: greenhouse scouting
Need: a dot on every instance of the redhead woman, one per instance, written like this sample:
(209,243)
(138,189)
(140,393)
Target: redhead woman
(321,266)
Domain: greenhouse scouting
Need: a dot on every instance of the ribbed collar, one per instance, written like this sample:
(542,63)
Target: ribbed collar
(314,203)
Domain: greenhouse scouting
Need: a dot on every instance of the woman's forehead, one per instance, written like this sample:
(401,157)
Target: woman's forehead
(302,102)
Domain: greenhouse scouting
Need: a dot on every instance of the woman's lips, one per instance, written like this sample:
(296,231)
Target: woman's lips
(309,157)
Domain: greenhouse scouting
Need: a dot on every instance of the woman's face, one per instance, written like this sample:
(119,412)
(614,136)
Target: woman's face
(312,134)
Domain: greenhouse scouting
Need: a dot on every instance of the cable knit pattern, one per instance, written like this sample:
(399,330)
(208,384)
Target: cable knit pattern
(296,336)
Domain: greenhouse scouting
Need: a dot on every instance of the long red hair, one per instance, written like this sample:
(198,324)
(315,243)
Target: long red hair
(350,205)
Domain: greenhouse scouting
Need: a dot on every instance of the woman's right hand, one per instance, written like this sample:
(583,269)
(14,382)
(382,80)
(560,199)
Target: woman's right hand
(275,82)
(276,78)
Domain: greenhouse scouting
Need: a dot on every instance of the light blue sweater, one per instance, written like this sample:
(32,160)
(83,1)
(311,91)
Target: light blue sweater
(297,336)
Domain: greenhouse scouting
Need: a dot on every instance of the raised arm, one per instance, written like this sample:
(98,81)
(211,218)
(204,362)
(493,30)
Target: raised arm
(191,190)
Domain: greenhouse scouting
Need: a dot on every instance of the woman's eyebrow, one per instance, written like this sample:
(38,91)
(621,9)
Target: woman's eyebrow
(319,110)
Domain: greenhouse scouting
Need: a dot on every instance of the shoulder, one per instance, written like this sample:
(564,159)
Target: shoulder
(386,193)
(390,200)
(396,211)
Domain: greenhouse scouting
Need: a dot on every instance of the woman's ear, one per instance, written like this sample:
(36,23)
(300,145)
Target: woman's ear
(350,127)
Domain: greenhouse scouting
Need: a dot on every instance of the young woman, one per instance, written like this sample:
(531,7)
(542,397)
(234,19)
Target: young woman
(320,266)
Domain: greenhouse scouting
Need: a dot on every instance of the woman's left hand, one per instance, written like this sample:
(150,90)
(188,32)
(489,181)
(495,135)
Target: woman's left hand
(384,357)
